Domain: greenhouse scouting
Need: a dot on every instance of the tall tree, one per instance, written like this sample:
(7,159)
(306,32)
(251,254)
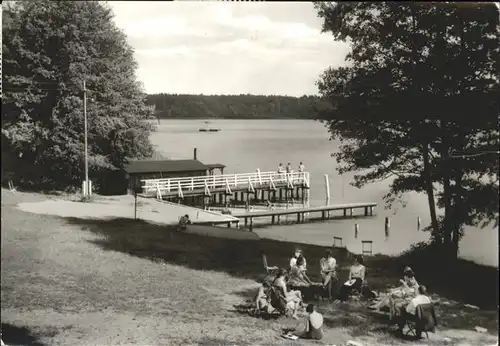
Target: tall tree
(49,49)
(421,83)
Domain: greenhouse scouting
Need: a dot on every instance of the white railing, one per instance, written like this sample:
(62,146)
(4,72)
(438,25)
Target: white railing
(227,182)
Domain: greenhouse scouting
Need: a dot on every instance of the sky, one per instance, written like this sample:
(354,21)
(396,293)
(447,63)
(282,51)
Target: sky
(215,47)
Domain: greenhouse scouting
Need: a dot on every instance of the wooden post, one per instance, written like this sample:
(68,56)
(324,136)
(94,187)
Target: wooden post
(327,189)
(281,194)
(418,223)
(298,217)
(366,211)
(272,219)
(278,219)
(350,212)
(387,226)
(246,221)
(135,204)
(371,211)
(356,230)
(251,224)
(322,214)
(345,212)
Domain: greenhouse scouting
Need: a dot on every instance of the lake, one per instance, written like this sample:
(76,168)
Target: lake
(245,145)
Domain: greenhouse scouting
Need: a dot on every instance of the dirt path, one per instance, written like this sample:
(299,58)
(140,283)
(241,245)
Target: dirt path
(120,207)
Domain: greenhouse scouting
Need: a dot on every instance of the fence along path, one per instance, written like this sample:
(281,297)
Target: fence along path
(226,182)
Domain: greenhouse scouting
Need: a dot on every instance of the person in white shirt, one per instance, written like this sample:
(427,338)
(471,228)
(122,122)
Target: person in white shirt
(313,326)
(289,168)
(356,278)
(409,313)
(421,298)
(293,260)
(328,266)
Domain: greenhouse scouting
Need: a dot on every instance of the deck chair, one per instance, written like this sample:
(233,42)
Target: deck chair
(425,321)
(269,270)
(12,188)
(367,247)
(277,300)
(364,286)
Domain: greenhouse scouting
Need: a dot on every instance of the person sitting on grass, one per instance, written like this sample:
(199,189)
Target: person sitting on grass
(356,278)
(183,222)
(262,299)
(290,295)
(328,267)
(293,261)
(297,276)
(313,324)
(407,290)
(409,313)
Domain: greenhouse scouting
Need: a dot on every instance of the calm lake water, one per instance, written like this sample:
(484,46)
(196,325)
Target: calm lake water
(245,145)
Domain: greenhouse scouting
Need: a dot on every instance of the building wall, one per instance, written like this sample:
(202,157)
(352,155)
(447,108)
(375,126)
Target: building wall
(135,178)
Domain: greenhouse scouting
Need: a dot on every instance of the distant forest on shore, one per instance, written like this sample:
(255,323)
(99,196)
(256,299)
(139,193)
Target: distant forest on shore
(234,106)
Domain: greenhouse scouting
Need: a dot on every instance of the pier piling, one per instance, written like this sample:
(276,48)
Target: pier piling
(387,226)
(327,189)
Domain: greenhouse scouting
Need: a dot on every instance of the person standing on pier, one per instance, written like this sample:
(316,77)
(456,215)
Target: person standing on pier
(301,167)
(289,168)
(280,168)
(281,172)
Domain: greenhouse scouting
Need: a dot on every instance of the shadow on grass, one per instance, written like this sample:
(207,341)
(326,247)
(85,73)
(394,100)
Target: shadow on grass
(463,281)
(237,257)
(13,335)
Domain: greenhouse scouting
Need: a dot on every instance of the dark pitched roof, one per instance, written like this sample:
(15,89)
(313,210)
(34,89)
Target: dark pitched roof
(215,165)
(164,166)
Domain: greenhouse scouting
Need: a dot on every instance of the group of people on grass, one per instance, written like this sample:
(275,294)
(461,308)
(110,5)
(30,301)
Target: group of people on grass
(292,286)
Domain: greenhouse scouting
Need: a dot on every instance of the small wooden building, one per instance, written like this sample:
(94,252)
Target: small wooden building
(149,169)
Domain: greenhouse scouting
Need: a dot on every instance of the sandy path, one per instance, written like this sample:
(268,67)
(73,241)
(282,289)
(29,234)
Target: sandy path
(121,208)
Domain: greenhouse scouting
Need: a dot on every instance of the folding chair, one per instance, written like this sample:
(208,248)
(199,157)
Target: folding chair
(269,270)
(367,247)
(417,326)
(12,188)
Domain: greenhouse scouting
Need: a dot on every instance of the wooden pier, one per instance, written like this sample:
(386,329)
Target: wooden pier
(301,212)
(226,188)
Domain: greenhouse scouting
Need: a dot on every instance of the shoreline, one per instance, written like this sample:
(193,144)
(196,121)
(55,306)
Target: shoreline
(122,206)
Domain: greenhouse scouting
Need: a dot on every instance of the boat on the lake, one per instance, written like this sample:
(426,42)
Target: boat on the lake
(209,130)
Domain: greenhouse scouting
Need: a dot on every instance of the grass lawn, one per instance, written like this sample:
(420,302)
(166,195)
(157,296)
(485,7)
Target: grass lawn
(76,281)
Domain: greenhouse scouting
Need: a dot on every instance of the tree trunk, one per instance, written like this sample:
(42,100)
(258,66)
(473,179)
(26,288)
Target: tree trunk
(430,193)
(447,193)
(458,216)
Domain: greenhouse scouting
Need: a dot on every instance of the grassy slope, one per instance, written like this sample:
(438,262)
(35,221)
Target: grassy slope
(71,281)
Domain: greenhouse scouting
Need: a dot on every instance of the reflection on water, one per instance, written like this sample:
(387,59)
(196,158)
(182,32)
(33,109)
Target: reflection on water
(245,145)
